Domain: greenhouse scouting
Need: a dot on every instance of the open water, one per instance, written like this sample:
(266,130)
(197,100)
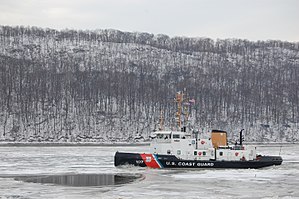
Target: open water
(88,172)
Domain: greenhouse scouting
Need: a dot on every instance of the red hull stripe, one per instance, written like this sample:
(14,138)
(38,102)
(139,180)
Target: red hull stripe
(150,161)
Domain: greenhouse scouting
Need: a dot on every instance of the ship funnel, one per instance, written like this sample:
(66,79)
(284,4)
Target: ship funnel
(219,138)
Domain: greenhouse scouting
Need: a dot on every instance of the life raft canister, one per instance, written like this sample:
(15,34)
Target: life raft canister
(236,154)
(202,142)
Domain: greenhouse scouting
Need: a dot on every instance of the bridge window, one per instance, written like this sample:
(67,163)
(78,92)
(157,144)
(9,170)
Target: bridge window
(175,136)
(221,153)
(179,152)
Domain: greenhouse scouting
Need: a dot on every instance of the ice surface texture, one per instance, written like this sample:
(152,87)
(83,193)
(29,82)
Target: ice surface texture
(280,181)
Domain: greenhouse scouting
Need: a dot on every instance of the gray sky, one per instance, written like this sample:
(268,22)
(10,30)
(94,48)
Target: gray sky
(245,19)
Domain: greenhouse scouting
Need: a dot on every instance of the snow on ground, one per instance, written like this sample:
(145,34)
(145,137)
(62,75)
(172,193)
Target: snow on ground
(272,182)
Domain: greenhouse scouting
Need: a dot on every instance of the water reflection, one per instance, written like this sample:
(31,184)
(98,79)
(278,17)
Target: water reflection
(80,180)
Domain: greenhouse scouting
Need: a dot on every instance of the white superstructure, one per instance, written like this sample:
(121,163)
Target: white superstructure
(186,146)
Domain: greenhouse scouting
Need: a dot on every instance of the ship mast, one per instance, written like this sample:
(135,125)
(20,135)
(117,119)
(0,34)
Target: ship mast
(183,108)
(179,100)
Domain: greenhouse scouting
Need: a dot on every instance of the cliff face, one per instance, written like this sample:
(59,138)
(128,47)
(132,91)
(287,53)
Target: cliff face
(109,85)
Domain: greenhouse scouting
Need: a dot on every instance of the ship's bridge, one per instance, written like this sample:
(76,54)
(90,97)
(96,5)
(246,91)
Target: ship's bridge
(168,142)
(165,135)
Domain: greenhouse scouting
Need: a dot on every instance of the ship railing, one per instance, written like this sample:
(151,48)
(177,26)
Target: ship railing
(238,147)
(162,140)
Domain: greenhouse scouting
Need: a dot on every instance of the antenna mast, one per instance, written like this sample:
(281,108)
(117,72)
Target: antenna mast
(179,100)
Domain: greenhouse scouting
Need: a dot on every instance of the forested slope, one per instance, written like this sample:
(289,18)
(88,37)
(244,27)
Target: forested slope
(108,85)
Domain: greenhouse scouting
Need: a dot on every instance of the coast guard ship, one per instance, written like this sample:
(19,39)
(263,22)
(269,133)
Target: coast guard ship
(182,149)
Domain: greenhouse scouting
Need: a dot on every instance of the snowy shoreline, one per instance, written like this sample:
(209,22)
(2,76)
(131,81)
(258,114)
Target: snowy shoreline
(64,144)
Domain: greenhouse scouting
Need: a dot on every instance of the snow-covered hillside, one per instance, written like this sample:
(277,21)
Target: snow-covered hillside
(108,85)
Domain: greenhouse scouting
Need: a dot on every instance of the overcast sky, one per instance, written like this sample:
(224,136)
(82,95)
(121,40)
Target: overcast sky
(245,19)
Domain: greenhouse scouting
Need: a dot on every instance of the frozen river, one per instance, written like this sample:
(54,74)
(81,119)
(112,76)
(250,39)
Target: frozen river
(273,182)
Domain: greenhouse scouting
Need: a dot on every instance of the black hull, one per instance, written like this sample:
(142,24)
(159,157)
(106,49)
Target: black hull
(171,161)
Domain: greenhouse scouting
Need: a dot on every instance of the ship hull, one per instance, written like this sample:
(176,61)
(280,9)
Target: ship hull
(171,161)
